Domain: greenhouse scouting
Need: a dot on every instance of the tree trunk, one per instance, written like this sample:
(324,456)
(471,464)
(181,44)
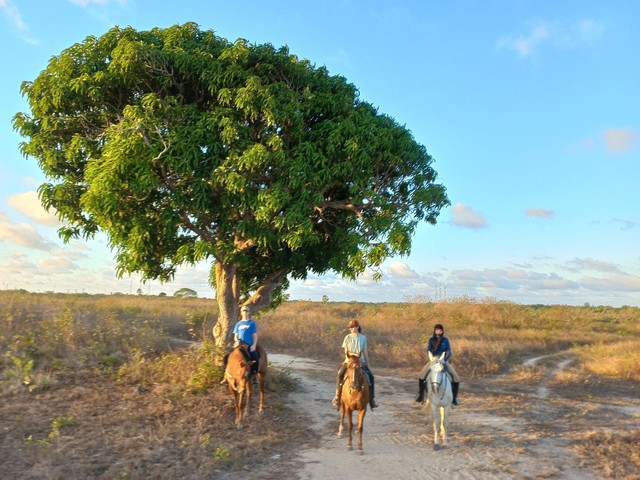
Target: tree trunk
(228,298)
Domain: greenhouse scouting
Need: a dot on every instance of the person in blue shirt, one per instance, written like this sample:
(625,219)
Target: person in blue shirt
(439,344)
(245,333)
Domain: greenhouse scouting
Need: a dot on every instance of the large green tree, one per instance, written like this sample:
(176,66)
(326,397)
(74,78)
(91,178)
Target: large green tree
(184,147)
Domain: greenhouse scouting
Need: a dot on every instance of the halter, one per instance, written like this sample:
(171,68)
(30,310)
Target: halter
(356,376)
(438,387)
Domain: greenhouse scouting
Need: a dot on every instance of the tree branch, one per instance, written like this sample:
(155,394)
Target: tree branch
(262,297)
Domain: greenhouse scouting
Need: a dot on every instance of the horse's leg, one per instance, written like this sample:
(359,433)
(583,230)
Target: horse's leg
(341,426)
(263,381)
(238,400)
(443,428)
(247,388)
(350,428)
(435,411)
(361,414)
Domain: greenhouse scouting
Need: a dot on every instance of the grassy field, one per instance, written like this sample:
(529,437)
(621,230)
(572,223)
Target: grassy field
(94,386)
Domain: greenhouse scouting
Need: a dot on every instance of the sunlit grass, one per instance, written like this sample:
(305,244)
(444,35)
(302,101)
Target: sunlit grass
(619,359)
(108,332)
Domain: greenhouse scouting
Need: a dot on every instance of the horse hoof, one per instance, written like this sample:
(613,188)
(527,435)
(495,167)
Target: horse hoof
(349,447)
(339,434)
(436,447)
(360,452)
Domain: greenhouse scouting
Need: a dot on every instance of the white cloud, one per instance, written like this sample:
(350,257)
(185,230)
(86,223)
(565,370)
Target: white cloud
(581,264)
(620,140)
(13,17)
(29,204)
(539,213)
(11,13)
(56,266)
(463,216)
(525,45)
(562,36)
(16,266)
(622,283)
(401,270)
(23,235)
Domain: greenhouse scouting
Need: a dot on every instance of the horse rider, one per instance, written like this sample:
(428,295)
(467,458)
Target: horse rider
(437,345)
(354,343)
(245,334)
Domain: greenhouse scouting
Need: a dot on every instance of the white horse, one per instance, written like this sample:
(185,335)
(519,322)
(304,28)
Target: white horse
(440,397)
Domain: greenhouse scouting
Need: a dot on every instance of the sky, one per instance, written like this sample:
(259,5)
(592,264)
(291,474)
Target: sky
(530,109)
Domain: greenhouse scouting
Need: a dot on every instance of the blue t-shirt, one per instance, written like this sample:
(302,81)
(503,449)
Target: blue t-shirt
(245,330)
(443,347)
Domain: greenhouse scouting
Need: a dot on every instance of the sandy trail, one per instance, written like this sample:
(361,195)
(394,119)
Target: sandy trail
(489,436)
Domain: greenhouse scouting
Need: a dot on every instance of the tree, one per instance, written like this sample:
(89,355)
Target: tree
(185,293)
(184,147)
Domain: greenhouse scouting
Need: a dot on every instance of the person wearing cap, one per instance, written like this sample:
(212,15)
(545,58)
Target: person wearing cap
(245,333)
(354,343)
(439,344)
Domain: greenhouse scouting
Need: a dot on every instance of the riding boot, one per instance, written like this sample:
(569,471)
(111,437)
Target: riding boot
(372,382)
(421,387)
(336,400)
(372,402)
(455,386)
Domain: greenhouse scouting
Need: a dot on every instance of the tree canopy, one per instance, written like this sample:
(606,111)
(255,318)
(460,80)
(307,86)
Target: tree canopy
(184,147)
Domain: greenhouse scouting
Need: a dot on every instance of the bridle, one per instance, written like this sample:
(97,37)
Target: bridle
(438,384)
(231,380)
(355,375)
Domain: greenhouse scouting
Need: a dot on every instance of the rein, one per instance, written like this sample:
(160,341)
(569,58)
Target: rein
(441,384)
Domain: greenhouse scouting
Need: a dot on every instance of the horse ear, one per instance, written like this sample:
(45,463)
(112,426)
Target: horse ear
(430,356)
(443,355)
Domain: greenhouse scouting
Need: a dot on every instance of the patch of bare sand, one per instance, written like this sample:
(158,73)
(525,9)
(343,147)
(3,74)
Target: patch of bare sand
(495,433)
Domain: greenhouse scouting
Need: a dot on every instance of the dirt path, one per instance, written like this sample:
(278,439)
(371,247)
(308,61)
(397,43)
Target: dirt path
(496,433)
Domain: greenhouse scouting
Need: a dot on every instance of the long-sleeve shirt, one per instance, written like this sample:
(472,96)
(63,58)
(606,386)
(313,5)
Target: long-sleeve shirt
(443,347)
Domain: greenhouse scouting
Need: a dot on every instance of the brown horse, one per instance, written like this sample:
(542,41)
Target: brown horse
(355,397)
(238,376)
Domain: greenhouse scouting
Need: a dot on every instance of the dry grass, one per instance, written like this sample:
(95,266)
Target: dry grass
(612,359)
(90,387)
(612,455)
(487,338)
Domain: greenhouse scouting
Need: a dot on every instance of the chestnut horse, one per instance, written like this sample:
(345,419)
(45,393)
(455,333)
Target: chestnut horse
(355,397)
(238,376)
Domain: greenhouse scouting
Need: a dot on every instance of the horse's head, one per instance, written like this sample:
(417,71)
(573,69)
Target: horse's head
(239,369)
(354,372)
(436,371)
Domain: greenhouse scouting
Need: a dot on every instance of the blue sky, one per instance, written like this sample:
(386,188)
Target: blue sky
(530,108)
